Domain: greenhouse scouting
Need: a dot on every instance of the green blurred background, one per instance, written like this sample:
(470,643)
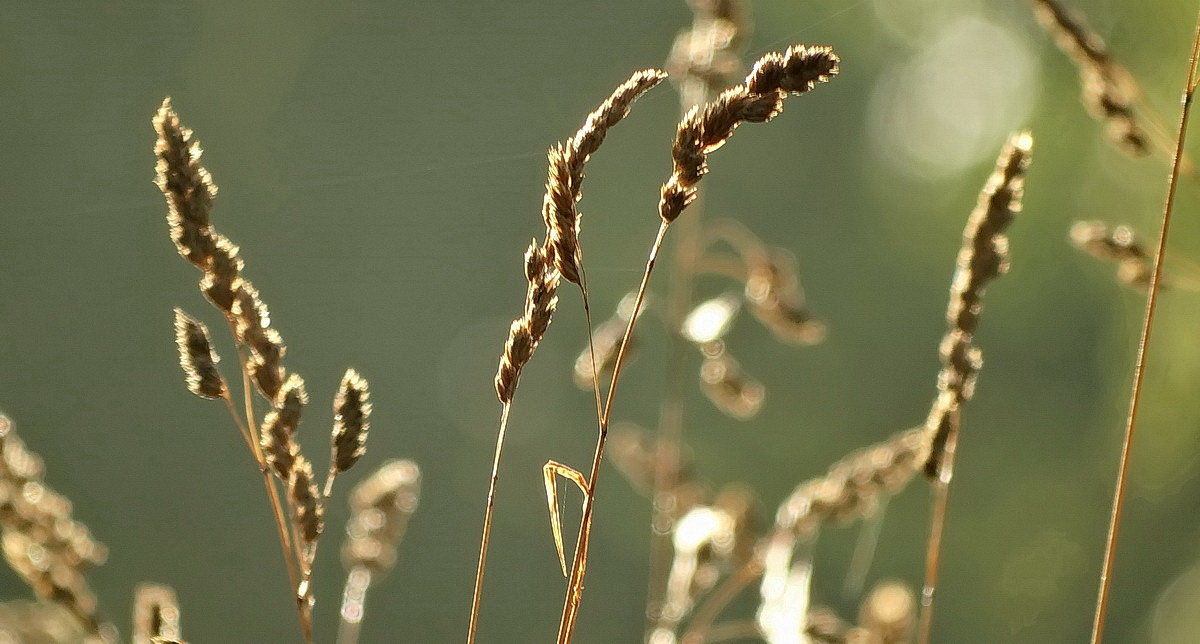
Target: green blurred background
(381,165)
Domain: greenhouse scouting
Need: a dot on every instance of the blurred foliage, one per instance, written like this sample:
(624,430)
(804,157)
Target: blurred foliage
(381,165)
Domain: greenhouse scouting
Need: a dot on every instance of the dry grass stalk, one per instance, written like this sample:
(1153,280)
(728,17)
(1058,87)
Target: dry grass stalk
(703,130)
(380,509)
(1110,93)
(1118,245)
(559,256)
(983,258)
(1177,165)
(42,543)
(155,614)
(189,191)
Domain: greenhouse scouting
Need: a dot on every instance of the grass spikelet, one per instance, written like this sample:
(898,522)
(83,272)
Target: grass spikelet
(527,331)
(187,186)
(222,279)
(309,511)
(155,614)
(566,172)
(278,429)
(197,357)
(1109,91)
(351,420)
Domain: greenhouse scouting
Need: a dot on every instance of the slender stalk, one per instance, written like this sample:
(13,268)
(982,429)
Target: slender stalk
(933,549)
(1118,505)
(249,433)
(487,525)
(579,564)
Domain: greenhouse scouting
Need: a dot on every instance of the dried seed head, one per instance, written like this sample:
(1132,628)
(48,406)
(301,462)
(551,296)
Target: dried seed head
(527,330)
(380,508)
(705,128)
(309,511)
(278,430)
(266,377)
(983,258)
(351,420)
(565,175)
(197,357)
(223,277)
(186,184)
(773,290)
(155,614)
(252,323)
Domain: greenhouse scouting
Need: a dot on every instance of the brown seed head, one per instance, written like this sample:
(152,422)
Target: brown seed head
(351,420)
(983,258)
(278,430)
(309,511)
(223,278)
(187,186)
(197,357)
(566,171)
(705,128)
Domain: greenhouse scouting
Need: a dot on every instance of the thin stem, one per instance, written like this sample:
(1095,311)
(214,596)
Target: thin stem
(937,525)
(487,525)
(1110,548)
(249,433)
(587,314)
(574,593)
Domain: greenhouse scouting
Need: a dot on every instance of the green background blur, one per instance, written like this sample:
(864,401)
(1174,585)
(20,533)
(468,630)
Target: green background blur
(381,166)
